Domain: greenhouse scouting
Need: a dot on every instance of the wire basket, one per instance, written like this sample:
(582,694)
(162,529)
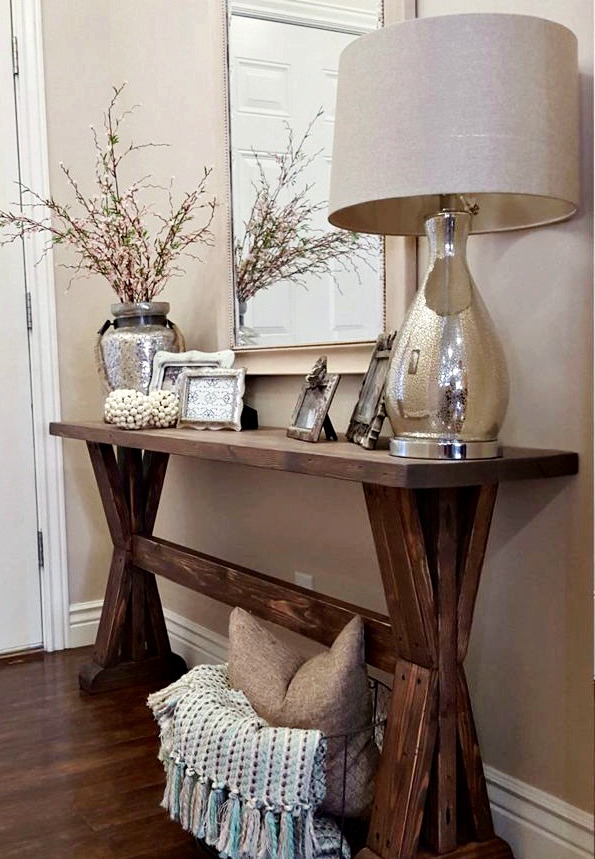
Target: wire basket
(354,831)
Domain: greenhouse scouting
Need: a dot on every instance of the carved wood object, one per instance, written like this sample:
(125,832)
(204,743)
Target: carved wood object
(430,523)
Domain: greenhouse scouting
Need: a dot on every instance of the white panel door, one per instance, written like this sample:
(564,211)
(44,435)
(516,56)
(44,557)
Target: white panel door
(283,74)
(20,600)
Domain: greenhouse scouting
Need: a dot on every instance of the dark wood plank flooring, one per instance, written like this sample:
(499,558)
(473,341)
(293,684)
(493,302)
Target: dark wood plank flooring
(79,774)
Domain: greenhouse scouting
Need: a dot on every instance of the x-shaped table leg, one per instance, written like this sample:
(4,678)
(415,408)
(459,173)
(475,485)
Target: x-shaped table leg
(431,798)
(132,642)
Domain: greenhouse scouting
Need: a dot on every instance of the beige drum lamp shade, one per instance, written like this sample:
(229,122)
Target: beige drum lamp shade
(481,105)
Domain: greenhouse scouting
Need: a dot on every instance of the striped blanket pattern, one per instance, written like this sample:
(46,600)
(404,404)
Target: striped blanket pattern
(245,788)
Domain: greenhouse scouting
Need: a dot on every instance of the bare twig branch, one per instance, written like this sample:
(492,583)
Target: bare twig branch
(279,242)
(117,234)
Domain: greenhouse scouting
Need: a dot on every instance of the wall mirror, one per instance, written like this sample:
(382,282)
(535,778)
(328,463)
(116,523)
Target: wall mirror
(282,73)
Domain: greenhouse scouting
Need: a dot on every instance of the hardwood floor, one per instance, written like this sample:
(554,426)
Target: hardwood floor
(79,775)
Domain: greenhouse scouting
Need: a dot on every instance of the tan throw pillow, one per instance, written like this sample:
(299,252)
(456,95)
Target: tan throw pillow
(328,692)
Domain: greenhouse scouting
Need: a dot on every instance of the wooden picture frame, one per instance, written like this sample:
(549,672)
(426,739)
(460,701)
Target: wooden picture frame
(167,366)
(311,409)
(212,398)
(369,412)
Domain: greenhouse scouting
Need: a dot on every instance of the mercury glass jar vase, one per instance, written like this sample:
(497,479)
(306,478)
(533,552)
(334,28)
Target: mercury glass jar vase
(127,345)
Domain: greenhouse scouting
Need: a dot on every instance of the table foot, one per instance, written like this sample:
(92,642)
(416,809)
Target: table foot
(157,670)
(495,848)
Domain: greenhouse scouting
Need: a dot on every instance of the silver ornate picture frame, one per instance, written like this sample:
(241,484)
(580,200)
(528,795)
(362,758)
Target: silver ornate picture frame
(311,410)
(369,412)
(212,398)
(167,366)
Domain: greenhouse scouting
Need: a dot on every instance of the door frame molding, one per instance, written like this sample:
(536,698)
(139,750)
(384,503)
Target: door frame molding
(43,342)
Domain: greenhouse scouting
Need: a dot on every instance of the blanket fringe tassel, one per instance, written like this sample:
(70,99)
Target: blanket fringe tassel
(237,829)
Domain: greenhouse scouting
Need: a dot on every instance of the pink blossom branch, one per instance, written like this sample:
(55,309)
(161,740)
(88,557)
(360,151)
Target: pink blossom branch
(116,234)
(279,242)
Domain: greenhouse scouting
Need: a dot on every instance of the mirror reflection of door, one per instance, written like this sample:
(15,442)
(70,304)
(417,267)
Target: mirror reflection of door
(281,75)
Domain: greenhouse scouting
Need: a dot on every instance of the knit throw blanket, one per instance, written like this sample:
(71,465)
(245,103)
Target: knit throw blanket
(248,789)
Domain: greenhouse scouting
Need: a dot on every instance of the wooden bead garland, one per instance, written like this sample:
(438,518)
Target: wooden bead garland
(132,409)
(127,408)
(164,408)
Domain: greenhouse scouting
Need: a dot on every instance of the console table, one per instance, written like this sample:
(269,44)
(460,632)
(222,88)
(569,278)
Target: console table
(430,522)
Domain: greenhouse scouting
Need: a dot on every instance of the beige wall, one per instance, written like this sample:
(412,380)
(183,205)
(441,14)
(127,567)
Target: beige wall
(530,664)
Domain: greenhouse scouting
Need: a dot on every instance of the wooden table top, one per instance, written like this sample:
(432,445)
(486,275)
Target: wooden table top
(271,449)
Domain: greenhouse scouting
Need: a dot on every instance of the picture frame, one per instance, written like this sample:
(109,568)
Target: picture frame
(369,412)
(310,414)
(167,366)
(212,397)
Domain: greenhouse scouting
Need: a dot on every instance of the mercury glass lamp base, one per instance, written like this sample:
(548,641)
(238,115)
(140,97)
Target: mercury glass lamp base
(449,449)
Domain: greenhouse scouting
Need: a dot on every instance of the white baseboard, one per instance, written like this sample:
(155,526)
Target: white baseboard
(536,824)
(84,620)
(194,643)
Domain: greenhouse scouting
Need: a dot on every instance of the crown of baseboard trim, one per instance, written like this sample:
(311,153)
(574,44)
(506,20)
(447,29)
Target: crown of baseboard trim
(536,824)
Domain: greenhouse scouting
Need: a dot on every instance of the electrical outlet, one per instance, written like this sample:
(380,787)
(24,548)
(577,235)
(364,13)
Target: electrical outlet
(304,580)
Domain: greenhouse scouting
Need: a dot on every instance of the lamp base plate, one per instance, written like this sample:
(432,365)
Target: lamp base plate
(448,449)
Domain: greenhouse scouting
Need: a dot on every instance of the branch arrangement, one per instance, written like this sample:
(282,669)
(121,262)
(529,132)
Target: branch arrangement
(115,233)
(279,242)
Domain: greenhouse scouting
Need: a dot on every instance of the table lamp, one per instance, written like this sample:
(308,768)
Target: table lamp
(454,125)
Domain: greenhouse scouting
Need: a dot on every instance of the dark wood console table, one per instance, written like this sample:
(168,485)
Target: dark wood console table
(430,522)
